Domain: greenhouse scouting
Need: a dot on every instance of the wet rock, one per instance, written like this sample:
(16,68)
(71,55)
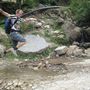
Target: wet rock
(61,50)
(34,44)
(74,50)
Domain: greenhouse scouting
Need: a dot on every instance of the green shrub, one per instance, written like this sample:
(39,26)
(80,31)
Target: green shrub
(81,11)
(31,3)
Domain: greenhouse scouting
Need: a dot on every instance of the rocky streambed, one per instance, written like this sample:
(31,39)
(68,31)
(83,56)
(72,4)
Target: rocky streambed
(61,73)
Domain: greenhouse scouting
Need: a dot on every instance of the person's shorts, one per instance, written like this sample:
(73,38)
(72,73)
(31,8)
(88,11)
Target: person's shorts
(16,37)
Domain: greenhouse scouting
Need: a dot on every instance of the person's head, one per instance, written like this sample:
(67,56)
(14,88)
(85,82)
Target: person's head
(19,12)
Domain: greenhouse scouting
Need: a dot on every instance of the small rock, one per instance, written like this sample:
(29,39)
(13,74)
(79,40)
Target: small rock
(61,50)
(43,22)
(9,83)
(35,68)
(38,24)
(74,50)
(60,36)
(1,81)
(20,83)
(47,26)
(26,60)
(87,51)
(16,59)
(15,83)
(2,49)
(55,32)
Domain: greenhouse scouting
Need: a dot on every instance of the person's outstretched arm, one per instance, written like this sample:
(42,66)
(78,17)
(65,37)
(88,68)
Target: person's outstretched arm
(4,13)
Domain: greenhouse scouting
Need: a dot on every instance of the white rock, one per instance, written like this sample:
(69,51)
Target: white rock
(55,32)
(38,24)
(9,83)
(61,50)
(87,51)
(35,68)
(20,83)
(43,22)
(26,60)
(47,26)
(16,59)
(60,36)
(15,82)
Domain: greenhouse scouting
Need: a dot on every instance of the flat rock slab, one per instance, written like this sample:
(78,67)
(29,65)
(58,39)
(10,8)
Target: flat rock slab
(34,44)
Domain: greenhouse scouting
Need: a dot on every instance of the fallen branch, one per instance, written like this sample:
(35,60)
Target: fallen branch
(39,9)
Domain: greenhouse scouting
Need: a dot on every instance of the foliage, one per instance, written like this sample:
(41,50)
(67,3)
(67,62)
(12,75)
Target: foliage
(9,7)
(81,11)
(31,3)
(26,27)
(31,56)
(54,2)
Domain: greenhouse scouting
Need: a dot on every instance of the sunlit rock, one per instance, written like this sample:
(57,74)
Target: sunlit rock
(61,50)
(34,44)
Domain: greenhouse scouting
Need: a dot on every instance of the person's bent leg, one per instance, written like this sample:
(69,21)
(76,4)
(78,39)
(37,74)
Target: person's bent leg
(20,44)
(19,38)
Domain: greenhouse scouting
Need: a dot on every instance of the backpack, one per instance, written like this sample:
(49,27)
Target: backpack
(9,24)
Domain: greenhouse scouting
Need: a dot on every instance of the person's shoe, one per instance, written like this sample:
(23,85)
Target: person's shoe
(14,52)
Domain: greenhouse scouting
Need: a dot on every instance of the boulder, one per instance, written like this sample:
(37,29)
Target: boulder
(2,33)
(61,50)
(73,33)
(88,30)
(34,44)
(74,50)
(2,49)
(87,51)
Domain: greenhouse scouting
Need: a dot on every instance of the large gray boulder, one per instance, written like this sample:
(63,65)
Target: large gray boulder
(34,44)
(73,33)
